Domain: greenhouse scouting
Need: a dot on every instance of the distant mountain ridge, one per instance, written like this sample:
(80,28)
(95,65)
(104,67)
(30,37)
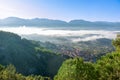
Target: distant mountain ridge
(41,22)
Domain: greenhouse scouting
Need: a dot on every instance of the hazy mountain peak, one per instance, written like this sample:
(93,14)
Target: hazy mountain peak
(40,22)
(12,17)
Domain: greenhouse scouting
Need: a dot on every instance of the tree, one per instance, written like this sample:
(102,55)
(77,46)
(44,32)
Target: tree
(76,69)
(116,43)
(9,73)
(109,67)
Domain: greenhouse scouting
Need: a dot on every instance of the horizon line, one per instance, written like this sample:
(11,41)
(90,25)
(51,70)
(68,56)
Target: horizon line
(58,19)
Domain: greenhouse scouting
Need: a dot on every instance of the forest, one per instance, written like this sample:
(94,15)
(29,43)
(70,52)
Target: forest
(23,59)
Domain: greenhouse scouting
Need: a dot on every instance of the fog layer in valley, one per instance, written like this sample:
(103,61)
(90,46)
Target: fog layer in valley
(49,34)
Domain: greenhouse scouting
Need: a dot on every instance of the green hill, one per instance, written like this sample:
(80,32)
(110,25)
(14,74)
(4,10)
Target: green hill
(27,56)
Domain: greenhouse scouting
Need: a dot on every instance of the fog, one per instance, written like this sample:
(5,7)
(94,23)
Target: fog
(76,35)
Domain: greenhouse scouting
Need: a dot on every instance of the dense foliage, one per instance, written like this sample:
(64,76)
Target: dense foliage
(106,68)
(76,69)
(27,56)
(9,73)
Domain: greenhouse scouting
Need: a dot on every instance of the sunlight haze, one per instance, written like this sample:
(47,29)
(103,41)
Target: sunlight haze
(92,10)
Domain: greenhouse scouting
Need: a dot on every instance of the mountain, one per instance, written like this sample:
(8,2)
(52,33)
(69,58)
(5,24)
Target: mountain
(38,22)
(14,21)
(101,24)
(80,23)
(27,56)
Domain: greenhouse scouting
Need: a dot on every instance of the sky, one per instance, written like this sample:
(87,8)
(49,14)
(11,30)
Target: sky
(91,10)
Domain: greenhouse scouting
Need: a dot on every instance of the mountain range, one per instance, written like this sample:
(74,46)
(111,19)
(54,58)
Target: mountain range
(42,22)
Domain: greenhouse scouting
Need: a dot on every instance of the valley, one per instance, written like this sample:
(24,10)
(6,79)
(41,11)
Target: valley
(43,50)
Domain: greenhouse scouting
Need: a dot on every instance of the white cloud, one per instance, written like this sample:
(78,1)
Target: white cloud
(87,38)
(62,33)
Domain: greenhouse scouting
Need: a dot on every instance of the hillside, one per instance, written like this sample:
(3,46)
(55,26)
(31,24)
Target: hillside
(106,68)
(27,56)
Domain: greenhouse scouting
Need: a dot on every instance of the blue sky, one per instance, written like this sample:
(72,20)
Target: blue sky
(92,10)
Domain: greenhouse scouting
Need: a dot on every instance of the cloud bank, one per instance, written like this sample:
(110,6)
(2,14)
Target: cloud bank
(76,35)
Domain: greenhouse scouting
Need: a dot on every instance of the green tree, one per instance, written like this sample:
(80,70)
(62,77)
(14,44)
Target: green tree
(85,70)
(109,67)
(116,43)
(76,69)
(9,73)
